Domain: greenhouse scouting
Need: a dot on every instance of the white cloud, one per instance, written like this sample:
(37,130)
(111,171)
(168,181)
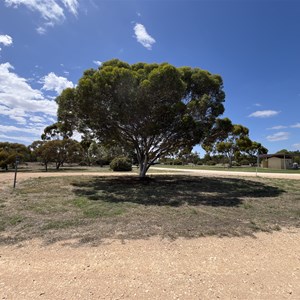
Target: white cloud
(41,30)
(264,113)
(20,120)
(97,62)
(18,99)
(277,127)
(16,113)
(52,82)
(257,104)
(18,139)
(279,136)
(36,119)
(6,40)
(72,6)
(297,125)
(143,37)
(35,130)
(296,146)
(52,11)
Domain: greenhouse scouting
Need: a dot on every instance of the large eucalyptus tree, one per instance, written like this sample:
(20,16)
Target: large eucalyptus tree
(155,109)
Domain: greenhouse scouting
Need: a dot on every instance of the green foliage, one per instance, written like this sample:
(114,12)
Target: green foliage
(9,152)
(232,141)
(57,151)
(244,162)
(98,154)
(56,131)
(121,164)
(151,109)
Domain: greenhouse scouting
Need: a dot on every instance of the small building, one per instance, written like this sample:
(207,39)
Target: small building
(276,161)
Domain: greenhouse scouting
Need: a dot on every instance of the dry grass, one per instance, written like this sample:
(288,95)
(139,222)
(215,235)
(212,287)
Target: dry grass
(93,208)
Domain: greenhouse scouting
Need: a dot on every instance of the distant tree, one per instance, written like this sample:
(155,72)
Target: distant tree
(296,154)
(34,148)
(98,154)
(45,153)
(296,158)
(255,149)
(9,152)
(232,141)
(228,139)
(59,152)
(85,143)
(188,157)
(155,109)
(283,151)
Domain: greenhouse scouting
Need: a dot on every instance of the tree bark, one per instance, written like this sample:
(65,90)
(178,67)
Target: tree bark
(143,168)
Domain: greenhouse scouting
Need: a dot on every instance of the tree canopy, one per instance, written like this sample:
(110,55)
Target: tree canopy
(9,152)
(154,109)
(231,140)
(57,151)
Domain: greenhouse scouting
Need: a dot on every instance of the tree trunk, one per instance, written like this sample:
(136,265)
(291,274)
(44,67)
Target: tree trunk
(229,162)
(143,169)
(46,167)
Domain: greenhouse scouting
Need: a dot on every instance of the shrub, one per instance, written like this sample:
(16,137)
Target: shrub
(211,163)
(244,162)
(121,164)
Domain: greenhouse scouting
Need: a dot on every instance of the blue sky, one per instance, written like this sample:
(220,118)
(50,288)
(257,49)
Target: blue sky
(254,45)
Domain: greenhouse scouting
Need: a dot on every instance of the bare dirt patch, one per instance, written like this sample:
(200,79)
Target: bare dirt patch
(265,267)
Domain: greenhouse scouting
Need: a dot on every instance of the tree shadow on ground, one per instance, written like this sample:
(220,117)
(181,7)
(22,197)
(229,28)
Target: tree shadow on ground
(125,207)
(174,190)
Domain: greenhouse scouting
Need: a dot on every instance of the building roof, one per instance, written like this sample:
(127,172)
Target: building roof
(278,155)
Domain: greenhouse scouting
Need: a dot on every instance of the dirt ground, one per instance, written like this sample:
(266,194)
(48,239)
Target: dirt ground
(264,267)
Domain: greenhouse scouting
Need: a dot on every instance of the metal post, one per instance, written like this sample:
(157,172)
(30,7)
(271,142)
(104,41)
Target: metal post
(16,171)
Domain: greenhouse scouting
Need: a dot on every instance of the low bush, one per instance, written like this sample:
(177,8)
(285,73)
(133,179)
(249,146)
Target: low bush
(121,164)
(244,162)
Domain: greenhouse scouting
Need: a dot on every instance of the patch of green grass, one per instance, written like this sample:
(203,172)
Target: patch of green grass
(8,221)
(14,220)
(247,205)
(92,209)
(81,202)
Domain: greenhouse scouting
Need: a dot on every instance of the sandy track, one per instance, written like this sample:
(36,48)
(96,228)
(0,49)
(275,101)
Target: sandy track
(7,178)
(231,173)
(265,267)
